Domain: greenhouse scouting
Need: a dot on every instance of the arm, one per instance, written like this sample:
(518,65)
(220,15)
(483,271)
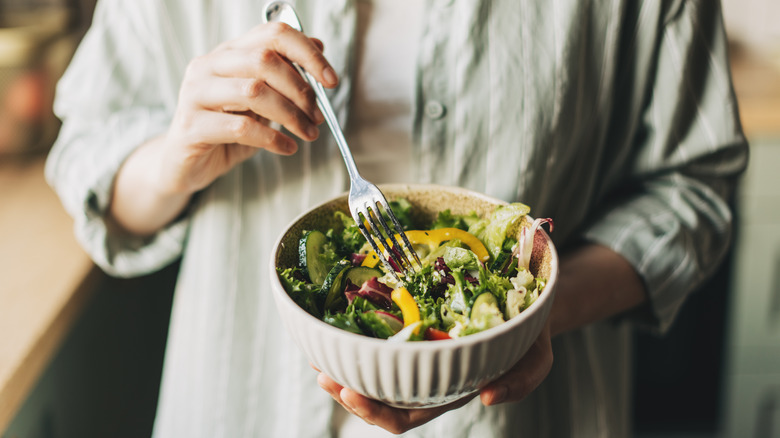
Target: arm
(226,101)
(131,151)
(595,283)
(138,206)
(100,129)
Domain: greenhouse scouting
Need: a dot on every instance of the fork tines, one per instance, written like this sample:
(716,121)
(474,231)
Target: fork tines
(395,257)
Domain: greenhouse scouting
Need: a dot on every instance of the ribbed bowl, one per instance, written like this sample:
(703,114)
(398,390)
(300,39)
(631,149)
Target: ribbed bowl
(413,374)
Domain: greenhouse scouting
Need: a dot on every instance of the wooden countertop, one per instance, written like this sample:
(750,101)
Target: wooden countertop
(45,279)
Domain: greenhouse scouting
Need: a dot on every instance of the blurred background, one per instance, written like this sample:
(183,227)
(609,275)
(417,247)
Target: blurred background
(37,39)
(80,352)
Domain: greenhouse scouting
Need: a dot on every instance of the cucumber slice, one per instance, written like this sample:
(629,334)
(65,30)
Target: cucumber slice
(381,324)
(332,292)
(501,261)
(360,274)
(485,312)
(312,256)
(483,304)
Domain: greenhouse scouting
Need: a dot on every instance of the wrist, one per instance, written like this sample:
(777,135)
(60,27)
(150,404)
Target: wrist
(594,283)
(145,198)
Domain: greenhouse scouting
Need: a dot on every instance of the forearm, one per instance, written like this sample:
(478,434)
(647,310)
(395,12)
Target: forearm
(594,283)
(140,204)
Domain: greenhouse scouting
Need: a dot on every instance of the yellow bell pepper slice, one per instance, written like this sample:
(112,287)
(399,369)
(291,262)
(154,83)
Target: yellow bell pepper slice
(408,305)
(371,260)
(434,238)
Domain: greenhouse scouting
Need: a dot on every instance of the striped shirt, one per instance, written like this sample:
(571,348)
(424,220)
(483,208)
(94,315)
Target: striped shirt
(615,118)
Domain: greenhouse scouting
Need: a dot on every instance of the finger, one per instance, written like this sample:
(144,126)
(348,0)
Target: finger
(330,386)
(224,128)
(524,377)
(391,419)
(291,45)
(244,81)
(308,55)
(236,153)
(236,95)
(317,42)
(334,389)
(394,420)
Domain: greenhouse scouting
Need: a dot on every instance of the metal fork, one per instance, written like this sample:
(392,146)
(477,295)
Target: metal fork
(366,202)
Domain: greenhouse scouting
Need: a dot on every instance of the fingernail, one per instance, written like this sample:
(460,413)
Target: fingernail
(318,117)
(323,383)
(289,147)
(347,402)
(330,76)
(499,395)
(312,131)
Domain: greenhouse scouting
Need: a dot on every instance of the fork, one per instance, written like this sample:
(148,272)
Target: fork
(367,204)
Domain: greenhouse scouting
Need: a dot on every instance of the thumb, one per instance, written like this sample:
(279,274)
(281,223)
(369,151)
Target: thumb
(529,372)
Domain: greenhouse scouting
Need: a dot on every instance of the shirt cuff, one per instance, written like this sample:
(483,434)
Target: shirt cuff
(666,254)
(82,170)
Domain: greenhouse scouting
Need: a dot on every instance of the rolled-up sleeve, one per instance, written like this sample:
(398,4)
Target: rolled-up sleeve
(672,220)
(109,102)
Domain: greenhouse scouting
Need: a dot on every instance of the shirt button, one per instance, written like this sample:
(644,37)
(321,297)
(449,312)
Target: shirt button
(434,109)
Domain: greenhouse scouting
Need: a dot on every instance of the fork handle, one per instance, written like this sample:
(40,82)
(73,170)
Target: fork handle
(280,11)
(332,121)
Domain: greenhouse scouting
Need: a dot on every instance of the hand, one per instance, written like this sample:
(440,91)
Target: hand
(228,98)
(394,420)
(226,103)
(529,372)
(516,384)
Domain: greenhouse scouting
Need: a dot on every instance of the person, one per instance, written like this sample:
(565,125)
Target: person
(187,134)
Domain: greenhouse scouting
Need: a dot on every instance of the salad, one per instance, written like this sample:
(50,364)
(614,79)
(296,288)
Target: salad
(474,275)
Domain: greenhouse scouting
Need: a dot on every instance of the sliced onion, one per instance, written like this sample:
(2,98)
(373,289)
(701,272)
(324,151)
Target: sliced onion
(525,245)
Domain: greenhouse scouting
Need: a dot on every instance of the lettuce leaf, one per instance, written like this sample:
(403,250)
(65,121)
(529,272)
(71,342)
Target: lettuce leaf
(445,219)
(500,224)
(302,292)
(349,239)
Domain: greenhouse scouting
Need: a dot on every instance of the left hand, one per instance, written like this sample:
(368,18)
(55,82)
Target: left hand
(515,385)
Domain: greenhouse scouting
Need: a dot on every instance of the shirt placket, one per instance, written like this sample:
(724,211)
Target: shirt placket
(433,96)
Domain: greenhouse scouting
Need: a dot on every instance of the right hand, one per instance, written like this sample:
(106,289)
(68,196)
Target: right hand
(228,98)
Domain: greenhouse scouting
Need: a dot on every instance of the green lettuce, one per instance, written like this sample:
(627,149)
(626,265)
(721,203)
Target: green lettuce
(494,229)
(302,292)
(445,219)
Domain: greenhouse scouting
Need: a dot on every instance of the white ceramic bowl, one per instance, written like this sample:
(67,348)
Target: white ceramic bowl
(413,374)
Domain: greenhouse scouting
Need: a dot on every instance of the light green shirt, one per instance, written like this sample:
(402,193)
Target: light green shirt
(615,118)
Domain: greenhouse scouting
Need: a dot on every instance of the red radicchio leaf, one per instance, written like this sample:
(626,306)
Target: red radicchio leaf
(372,290)
(442,267)
(445,270)
(357,259)
(351,291)
(398,254)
